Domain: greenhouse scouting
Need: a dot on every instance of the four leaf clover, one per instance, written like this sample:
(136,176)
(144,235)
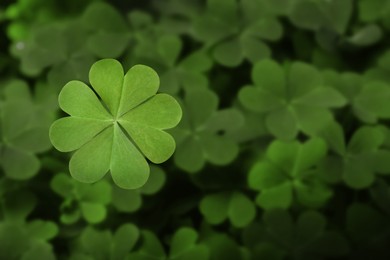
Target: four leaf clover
(115,133)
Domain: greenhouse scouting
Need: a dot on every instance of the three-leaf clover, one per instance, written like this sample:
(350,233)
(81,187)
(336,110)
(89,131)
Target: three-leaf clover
(23,132)
(184,245)
(316,15)
(22,238)
(306,237)
(360,159)
(293,102)
(115,133)
(201,135)
(131,200)
(58,47)
(236,31)
(373,235)
(108,31)
(235,206)
(81,199)
(287,173)
(104,245)
(187,73)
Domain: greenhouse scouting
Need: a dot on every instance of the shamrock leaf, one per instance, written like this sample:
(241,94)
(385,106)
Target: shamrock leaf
(380,71)
(108,37)
(200,136)
(252,129)
(184,245)
(188,73)
(367,95)
(373,10)
(151,247)
(222,246)
(23,132)
(22,239)
(59,47)
(371,103)
(380,194)
(286,175)
(81,199)
(314,15)
(256,238)
(131,200)
(24,14)
(295,102)
(217,207)
(237,31)
(115,135)
(371,238)
(366,35)
(103,245)
(360,159)
(306,237)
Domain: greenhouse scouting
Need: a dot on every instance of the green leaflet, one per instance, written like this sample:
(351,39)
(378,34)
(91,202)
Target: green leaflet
(115,133)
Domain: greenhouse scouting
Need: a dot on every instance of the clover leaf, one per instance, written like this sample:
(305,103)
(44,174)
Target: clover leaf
(60,47)
(371,237)
(184,245)
(371,103)
(235,31)
(286,174)
(23,132)
(22,238)
(188,72)
(293,102)
(103,244)
(115,134)
(256,238)
(380,71)
(222,246)
(374,10)
(380,194)
(366,94)
(131,200)
(358,160)
(314,15)
(200,136)
(81,199)
(235,206)
(306,237)
(107,37)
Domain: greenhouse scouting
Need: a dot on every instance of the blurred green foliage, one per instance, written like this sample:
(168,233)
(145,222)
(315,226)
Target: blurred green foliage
(282,151)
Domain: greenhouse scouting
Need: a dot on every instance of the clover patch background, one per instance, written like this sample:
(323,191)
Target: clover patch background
(283,151)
